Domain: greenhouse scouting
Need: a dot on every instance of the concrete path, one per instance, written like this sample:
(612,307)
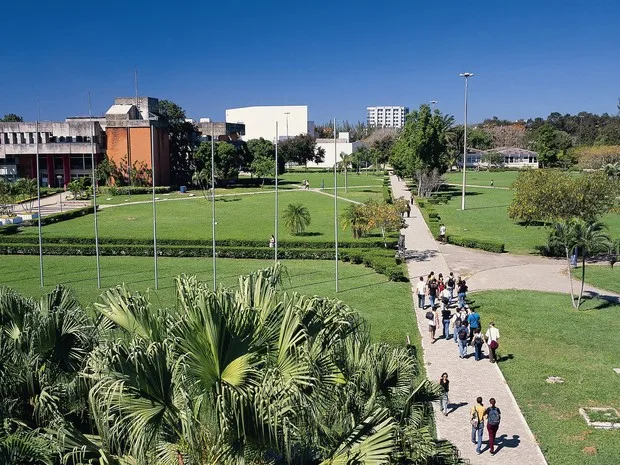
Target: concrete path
(468,378)
(52,204)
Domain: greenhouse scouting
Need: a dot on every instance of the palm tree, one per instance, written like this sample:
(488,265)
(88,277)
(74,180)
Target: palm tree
(590,238)
(563,235)
(296,218)
(355,216)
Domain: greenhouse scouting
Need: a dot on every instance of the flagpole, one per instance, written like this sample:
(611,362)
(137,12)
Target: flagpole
(39,198)
(154,207)
(92,155)
(336,202)
(275,257)
(213,206)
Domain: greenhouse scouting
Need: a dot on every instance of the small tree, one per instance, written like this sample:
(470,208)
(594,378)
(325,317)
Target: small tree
(77,187)
(493,159)
(356,217)
(296,218)
(263,167)
(26,190)
(563,235)
(591,238)
(385,217)
(7,197)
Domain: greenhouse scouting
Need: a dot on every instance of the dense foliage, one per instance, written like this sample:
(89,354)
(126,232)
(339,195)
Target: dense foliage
(246,375)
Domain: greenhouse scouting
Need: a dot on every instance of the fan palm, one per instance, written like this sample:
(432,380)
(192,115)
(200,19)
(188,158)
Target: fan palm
(296,218)
(591,238)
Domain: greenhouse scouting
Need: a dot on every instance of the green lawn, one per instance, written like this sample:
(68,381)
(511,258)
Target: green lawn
(601,276)
(238,217)
(385,305)
(543,336)
(483,178)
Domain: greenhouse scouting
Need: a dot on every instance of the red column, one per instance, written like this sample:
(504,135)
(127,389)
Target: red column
(33,167)
(66,166)
(51,179)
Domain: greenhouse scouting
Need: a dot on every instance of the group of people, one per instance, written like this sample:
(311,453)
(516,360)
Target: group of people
(462,325)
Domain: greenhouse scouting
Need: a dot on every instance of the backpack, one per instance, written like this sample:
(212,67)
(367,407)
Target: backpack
(430,315)
(478,341)
(463,333)
(493,416)
(451,282)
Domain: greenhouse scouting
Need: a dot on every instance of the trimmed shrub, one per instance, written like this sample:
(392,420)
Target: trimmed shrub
(433,215)
(387,194)
(9,229)
(126,190)
(489,246)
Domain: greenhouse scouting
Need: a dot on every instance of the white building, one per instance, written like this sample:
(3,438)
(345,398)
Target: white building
(386,117)
(513,157)
(260,121)
(333,150)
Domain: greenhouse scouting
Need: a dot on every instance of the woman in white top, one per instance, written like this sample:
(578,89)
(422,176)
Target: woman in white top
(492,339)
(433,323)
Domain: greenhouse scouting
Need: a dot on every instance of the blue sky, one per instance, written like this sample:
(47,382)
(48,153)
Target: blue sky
(529,57)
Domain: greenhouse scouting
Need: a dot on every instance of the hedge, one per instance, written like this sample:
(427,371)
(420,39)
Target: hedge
(489,246)
(64,216)
(127,190)
(387,194)
(382,261)
(369,244)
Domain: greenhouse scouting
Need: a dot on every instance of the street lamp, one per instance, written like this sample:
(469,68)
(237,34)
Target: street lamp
(59,177)
(433,103)
(466,76)
(287,113)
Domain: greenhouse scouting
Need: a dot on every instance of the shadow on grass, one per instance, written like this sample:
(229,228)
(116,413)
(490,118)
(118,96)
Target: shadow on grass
(308,234)
(506,357)
(340,280)
(487,207)
(605,301)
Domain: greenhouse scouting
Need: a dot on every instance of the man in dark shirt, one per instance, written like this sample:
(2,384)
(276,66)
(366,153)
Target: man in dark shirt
(446,316)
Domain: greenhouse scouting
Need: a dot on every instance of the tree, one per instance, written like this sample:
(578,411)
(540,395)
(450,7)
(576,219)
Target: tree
(296,218)
(479,139)
(26,190)
(563,235)
(7,197)
(77,188)
(356,217)
(590,238)
(301,149)
(227,159)
(551,195)
(361,158)
(263,167)
(11,118)
(492,159)
(183,138)
(106,172)
(385,217)
(381,143)
(549,143)
(421,147)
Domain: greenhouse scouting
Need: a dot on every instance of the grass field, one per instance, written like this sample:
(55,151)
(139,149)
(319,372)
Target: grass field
(486,214)
(238,217)
(385,305)
(601,276)
(543,336)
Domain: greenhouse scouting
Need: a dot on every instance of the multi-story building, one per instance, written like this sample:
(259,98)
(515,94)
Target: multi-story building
(130,130)
(65,149)
(136,133)
(386,117)
(222,131)
(333,149)
(261,121)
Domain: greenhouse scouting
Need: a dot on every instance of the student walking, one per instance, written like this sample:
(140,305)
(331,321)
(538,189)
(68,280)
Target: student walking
(433,322)
(473,320)
(476,417)
(462,292)
(420,290)
(450,285)
(446,316)
(477,342)
(431,289)
(492,338)
(493,416)
(444,383)
(463,334)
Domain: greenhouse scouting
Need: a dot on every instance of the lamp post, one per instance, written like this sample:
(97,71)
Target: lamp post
(286,113)
(433,103)
(466,76)
(336,202)
(59,177)
(275,246)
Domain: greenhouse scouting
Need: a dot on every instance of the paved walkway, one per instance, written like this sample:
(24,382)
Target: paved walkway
(468,379)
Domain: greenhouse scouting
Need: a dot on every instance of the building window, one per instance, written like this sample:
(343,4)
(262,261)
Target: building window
(42,163)
(77,162)
(58,165)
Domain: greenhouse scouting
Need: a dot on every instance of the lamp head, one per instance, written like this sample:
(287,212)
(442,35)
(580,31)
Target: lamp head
(466,75)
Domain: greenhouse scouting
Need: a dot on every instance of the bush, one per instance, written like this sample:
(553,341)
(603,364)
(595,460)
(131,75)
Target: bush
(127,190)
(9,229)
(420,203)
(58,217)
(489,246)
(434,201)
(433,215)
(387,195)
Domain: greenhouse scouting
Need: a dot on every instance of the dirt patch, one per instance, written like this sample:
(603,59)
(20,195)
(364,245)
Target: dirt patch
(590,450)
(581,437)
(131,218)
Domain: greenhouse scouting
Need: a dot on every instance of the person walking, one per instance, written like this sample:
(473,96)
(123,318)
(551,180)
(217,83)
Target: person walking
(442,233)
(444,383)
(431,290)
(433,322)
(492,338)
(450,285)
(463,334)
(476,417)
(408,210)
(444,296)
(477,342)
(272,242)
(462,293)
(493,416)
(473,320)
(420,290)
(446,316)
(456,325)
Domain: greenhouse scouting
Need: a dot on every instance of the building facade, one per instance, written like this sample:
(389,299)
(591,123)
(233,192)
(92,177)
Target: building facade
(136,133)
(65,149)
(511,157)
(222,131)
(386,117)
(260,121)
(333,149)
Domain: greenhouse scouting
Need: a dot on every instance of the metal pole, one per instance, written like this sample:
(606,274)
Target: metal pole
(92,155)
(466,76)
(336,203)
(433,102)
(213,205)
(275,257)
(154,208)
(287,113)
(39,200)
